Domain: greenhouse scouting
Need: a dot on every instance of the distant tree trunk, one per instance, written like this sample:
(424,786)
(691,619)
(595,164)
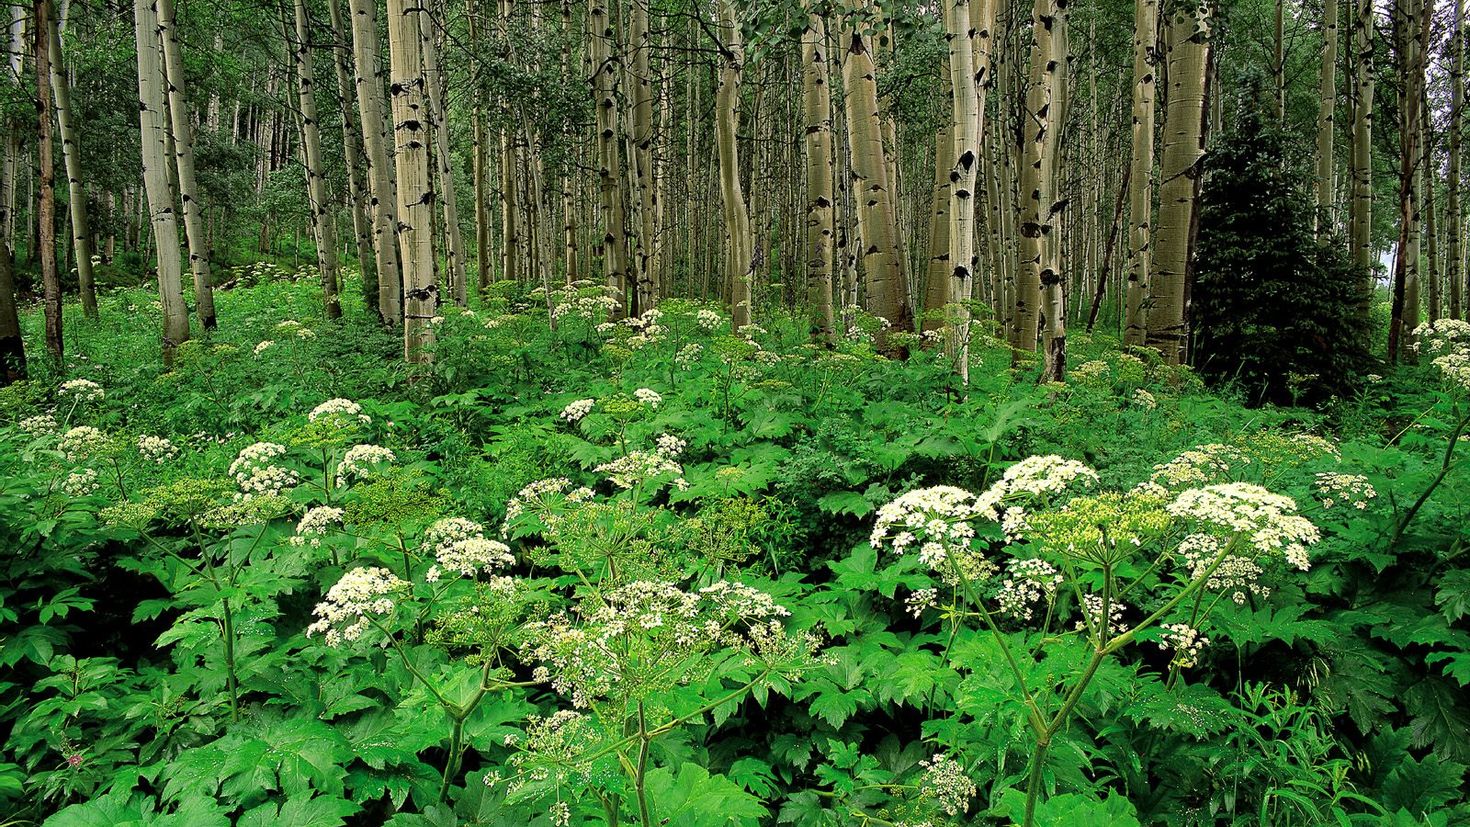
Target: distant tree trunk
(882,253)
(357,186)
(1455,254)
(817,111)
(46,234)
(480,169)
(12,344)
(968,79)
(740,244)
(1427,168)
(375,143)
(183,143)
(81,231)
(152,117)
(444,162)
(323,219)
(415,189)
(14,145)
(1053,281)
(1327,121)
(1184,150)
(1409,51)
(1141,173)
(1360,221)
(641,135)
(1037,201)
(603,34)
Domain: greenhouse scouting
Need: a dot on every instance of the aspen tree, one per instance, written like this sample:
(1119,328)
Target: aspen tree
(641,135)
(480,163)
(81,232)
(1327,120)
(182,134)
(882,253)
(151,115)
(454,267)
(1188,39)
(13,146)
(817,115)
(380,169)
(964,26)
(46,171)
(323,222)
(740,244)
(1455,241)
(1035,265)
(1053,283)
(602,34)
(357,187)
(1427,168)
(571,269)
(1360,222)
(415,187)
(1141,172)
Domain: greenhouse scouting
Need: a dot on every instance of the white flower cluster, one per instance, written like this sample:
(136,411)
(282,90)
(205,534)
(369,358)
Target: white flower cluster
(1092,609)
(1268,520)
(920,600)
(947,784)
(256,474)
(1145,400)
(362,461)
(709,319)
(1442,336)
(670,446)
(315,524)
(533,496)
(470,556)
(1027,581)
(648,397)
(574,411)
(639,467)
(646,329)
(156,449)
(569,304)
(1186,641)
(1455,367)
(263,346)
(640,630)
(1093,369)
(83,442)
(351,605)
(1200,465)
(1344,489)
(1236,575)
(80,483)
(936,521)
(688,355)
(39,424)
(1035,476)
(292,327)
(81,390)
(343,410)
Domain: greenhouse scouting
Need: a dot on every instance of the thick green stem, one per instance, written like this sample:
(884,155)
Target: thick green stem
(1444,470)
(227,622)
(642,770)
(456,751)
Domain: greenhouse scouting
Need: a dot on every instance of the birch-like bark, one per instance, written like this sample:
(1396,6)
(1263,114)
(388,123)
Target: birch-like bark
(45,178)
(323,222)
(357,186)
(415,186)
(1327,120)
(444,160)
(740,245)
(375,142)
(1141,173)
(817,114)
(1184,149)
(71,152)
(152,116)
(182,133)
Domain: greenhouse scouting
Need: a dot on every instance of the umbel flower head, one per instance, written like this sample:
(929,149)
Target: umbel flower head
(344,411)
(83,442)
(362,461)
(81,390)
(156,449)
(1269,522)
(257,475)
(351,605)
(314,525)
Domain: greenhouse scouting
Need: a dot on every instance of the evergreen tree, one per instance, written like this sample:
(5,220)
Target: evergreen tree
(1275,309)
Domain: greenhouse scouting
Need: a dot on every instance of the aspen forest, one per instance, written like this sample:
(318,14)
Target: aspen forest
(701,413)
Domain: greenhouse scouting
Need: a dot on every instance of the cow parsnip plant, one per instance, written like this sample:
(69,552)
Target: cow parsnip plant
(626,571)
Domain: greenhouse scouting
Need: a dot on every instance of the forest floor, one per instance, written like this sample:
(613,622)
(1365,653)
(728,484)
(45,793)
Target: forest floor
(649,572)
